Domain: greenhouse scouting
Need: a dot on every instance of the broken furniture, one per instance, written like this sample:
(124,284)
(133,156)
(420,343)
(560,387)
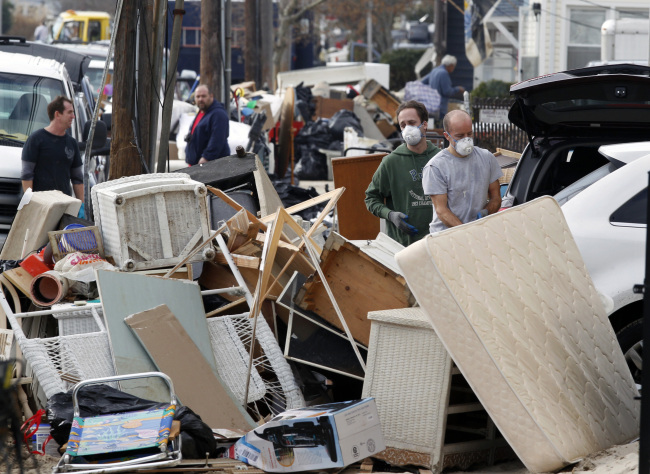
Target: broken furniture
(40,213)
(372,90)
(121,442)
(354,173)
(511,299)
(61,361)
(308,339)
(351,269)
(152,221)
(429,417)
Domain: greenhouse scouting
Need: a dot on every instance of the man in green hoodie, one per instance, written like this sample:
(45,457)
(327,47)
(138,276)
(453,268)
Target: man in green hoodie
(395,192)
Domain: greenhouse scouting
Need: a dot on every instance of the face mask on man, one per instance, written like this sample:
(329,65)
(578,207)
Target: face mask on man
(412,134)
(464,146)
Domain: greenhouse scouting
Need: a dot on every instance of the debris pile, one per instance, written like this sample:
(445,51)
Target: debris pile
(201,317)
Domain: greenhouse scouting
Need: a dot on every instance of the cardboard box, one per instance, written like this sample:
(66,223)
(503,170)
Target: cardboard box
(326,108)
(314,438)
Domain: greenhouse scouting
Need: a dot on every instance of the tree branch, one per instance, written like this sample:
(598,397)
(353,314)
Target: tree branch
(295,16)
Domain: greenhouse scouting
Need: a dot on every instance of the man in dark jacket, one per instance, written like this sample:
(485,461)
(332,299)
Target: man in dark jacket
(208,137)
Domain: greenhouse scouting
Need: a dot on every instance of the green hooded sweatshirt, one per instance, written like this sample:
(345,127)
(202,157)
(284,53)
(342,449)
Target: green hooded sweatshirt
(397,186)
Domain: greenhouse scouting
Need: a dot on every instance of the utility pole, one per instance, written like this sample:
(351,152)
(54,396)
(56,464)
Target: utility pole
(212,59)
(258,50)
(158,40)
(440,29)
(369,32)
(132,92)
(171,84)
(252,47)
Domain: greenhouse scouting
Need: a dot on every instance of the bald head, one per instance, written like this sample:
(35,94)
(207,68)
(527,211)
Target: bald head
(455,119)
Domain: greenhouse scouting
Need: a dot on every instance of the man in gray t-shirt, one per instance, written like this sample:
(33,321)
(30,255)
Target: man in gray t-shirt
(462,180)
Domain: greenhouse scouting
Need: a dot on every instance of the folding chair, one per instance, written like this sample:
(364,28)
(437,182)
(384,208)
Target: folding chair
(121,442)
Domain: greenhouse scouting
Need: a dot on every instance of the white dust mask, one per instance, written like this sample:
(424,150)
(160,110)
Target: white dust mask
(464,146)
(412,134)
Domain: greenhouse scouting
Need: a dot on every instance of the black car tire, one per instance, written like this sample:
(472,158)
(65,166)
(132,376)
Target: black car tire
(630,338)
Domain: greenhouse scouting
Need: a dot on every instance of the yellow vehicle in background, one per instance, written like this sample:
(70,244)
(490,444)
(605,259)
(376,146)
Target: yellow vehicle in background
(81,27)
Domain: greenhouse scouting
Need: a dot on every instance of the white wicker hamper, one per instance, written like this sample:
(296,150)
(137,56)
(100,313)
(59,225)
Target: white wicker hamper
(408,373)
(152,221)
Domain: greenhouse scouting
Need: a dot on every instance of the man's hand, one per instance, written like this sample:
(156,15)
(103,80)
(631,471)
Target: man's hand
(202,160)
(399,220)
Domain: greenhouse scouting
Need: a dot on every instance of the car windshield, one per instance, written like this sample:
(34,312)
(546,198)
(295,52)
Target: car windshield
(575,188)
(23,103)
(95,77)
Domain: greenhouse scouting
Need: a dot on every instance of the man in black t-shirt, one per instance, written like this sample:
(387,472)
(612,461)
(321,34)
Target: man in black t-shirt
(51,158)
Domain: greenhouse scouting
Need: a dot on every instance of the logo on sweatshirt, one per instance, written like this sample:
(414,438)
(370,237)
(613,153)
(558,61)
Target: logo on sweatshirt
(419,200)
(415,176)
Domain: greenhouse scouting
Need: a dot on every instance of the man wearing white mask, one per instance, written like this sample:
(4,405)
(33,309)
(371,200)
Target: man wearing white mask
(395,192)
(462,180)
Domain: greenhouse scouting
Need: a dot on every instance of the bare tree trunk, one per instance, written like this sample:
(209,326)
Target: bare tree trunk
(211,48)
(124,155)
(290,12)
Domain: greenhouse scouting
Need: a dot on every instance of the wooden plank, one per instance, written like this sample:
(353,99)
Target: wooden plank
(123,294)
(20,279)
(355,173)
(240,260)
(226,308)
(174,353)
(303,205)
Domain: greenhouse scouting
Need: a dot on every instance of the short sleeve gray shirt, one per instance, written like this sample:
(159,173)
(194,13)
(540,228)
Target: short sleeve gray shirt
(465,181)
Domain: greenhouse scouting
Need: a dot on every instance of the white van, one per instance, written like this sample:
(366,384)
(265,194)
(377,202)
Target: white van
(27,85)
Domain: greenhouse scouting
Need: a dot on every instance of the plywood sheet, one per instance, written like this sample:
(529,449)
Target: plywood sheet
(176,355)
(123,294)
(354,173)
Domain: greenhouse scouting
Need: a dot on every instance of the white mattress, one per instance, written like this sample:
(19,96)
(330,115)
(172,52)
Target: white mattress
(511,300)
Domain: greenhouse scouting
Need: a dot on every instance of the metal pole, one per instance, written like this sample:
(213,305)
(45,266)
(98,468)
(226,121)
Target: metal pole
(227,76)
(174,48)
(368,32)
(158,38)
(91,133)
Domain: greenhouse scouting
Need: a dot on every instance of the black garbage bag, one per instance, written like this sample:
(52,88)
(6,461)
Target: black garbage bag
(315,133)
(8,265)
(100,399)
(312,164)
(342,119)
(198,439)
(304,102)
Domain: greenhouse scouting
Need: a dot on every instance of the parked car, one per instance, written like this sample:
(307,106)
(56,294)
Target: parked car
(27,85)
(607,209)
(568,117)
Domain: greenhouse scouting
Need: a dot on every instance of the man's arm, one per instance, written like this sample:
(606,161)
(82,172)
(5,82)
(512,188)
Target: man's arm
(27,184)
(218,136)
(447,217)
(494,196)
(78,191)
(375,199)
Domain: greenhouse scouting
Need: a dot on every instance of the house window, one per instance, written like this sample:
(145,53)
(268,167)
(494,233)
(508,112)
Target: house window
(584,36)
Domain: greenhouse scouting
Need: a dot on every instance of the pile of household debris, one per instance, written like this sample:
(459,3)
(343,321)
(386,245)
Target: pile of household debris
(310,124)
(231,305)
